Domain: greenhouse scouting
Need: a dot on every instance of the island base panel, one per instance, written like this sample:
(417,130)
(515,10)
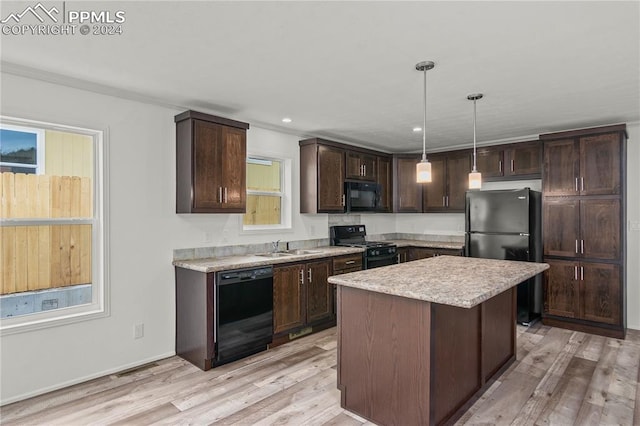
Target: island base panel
(383,356)
(405,361)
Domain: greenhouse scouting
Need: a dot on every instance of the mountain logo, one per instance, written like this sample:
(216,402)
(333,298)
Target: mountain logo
(39,11)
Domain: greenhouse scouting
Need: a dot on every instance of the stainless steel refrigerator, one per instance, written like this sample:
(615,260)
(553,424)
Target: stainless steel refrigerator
(506,224)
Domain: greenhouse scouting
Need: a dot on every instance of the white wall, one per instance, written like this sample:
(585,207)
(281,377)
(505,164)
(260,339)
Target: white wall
(145,230)
(143,233)
(633,237)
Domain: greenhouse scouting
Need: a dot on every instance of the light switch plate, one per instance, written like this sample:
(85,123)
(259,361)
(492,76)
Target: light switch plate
(634,225)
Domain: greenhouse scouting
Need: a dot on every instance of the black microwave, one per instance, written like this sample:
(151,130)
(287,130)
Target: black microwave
(362,196)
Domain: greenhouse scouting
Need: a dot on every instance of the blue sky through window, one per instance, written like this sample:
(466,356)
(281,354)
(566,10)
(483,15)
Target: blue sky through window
(18,147)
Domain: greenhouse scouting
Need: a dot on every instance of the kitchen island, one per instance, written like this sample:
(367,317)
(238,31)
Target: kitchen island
(418,342)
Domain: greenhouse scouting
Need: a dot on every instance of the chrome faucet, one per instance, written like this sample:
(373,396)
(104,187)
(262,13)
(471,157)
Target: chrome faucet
(276,246)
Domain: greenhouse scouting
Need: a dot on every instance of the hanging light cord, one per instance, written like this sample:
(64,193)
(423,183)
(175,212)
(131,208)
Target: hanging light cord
(474,135)
(424,122)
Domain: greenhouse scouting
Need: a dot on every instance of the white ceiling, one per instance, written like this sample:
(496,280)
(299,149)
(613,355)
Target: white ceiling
(346,70)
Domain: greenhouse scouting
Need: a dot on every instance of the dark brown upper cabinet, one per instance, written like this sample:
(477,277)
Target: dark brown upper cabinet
(407,193)
(211,156)
(490,161)
(322,175)
(384,177)
(522,160)
(361,166)
(449,174)
(587,164)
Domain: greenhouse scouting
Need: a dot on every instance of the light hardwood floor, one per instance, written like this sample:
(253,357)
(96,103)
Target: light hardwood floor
(560,378)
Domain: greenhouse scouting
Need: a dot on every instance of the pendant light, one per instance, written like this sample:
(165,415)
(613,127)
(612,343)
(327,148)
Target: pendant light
(423,168)
(475,177)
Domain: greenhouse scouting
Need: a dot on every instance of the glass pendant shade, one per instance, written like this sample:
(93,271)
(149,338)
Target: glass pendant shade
(423,171)
(475,180)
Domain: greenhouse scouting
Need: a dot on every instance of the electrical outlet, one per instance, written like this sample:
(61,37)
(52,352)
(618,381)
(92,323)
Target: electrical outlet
(138,331)
(634,225)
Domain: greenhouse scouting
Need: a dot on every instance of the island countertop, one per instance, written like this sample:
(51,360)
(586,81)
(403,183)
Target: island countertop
(449,280)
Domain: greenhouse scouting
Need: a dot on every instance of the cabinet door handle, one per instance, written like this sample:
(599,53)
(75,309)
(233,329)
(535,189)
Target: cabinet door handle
(220,199)
(225,195)
(365,170)
(582,273)
(349,262)
(576,246)
(575,273)
(444,201)
(301,276)
(577,185)
(343,198)
(513,165)
(581,246)
(581,183)
(309,275)
(500,166)
(447,201)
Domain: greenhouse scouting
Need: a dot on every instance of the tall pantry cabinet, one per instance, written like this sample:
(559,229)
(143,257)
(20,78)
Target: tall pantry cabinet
(584,205)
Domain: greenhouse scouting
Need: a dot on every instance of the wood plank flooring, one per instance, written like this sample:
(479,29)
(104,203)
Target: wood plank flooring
(560,377)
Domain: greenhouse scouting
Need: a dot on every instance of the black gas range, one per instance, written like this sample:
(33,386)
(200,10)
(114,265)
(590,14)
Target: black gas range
(376,254)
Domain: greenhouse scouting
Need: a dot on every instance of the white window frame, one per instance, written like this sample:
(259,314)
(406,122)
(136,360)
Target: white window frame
(100,305)
(285,194)
(40,147)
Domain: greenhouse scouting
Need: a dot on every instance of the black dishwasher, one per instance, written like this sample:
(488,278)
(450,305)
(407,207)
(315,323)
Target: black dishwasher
(244,313)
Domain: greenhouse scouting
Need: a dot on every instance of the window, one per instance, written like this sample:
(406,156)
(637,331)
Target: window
(21,149)
(268,205)
(52,227)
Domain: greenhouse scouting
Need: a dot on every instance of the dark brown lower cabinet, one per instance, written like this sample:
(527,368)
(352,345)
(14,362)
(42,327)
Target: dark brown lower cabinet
(302,299)
(344,265)
(587,294)
(416,253)
(288,306)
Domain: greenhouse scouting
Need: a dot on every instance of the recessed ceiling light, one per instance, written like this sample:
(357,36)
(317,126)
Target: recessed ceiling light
(417,129)
(287,120)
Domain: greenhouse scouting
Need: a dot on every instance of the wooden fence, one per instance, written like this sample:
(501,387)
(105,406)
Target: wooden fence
(34,257)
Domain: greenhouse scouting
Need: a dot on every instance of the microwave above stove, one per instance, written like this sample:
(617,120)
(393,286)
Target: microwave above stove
(362,196)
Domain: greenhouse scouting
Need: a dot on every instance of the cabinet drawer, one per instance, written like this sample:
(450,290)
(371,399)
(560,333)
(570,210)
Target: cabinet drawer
(344,264)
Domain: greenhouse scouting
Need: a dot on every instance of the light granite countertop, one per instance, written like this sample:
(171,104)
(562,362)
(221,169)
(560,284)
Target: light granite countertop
(223,263)
(450,280)
(226,263)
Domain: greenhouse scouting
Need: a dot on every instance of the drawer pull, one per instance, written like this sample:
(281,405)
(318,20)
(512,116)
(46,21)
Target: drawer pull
(349,262)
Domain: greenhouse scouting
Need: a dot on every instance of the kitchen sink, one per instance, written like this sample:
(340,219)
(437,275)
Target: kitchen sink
(299,251)
(275,254)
